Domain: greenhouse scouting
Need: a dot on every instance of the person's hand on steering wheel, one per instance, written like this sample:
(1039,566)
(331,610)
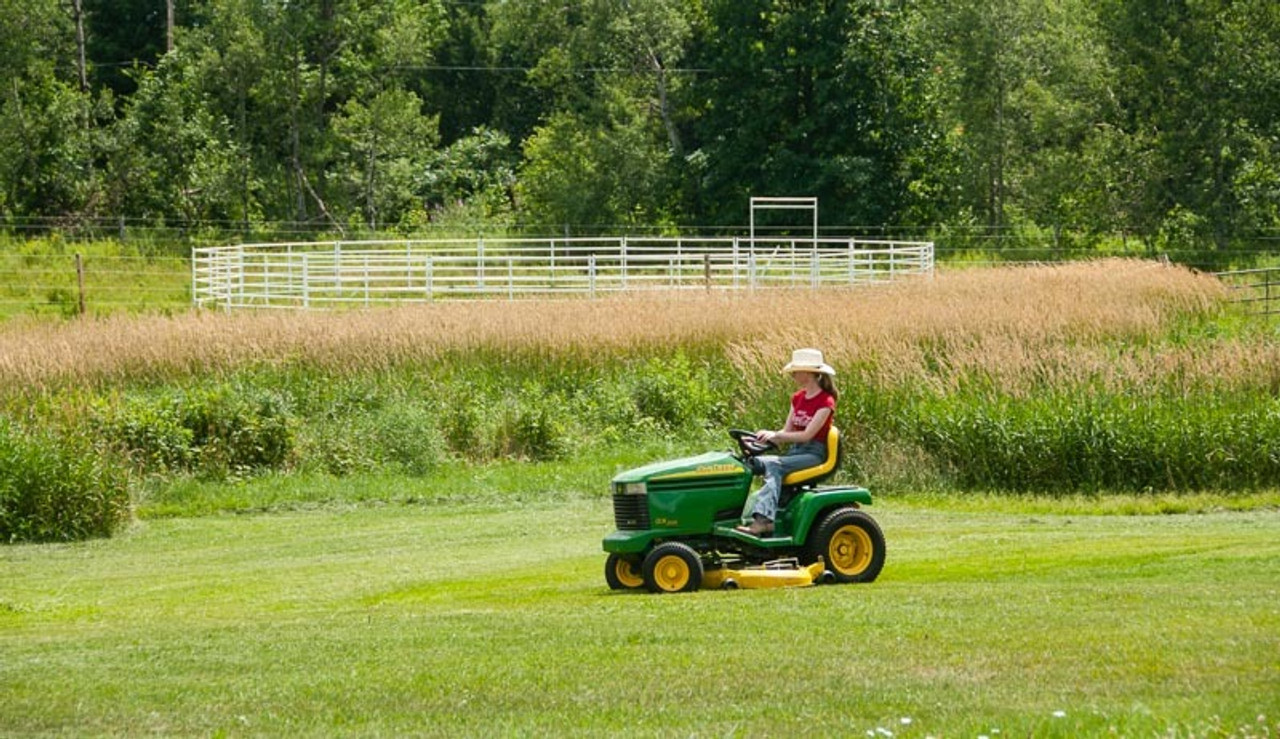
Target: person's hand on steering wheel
(750,443)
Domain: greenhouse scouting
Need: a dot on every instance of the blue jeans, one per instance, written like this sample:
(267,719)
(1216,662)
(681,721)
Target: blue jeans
(798,457)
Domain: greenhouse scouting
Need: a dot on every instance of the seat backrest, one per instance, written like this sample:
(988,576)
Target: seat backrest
(813,475)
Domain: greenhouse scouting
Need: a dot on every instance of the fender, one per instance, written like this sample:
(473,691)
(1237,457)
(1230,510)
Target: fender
(815,502)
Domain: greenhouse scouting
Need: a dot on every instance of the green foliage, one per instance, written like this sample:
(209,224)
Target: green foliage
(577,172)
(397,437)
(993,123)
(531,424)
(217,431)
(58,487)
(676,394)
(1055,439)
(150,430)
(1088,441)
(476,169)
(386,142)
(237,429)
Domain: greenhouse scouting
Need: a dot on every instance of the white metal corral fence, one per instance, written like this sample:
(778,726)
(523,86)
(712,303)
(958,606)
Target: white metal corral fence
(345,274)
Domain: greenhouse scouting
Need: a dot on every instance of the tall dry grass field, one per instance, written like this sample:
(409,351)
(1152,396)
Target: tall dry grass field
(1018,324)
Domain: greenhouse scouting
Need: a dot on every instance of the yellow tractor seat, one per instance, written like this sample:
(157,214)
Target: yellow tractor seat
(813,475)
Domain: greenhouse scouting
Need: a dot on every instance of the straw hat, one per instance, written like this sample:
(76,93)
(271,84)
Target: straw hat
(808,360)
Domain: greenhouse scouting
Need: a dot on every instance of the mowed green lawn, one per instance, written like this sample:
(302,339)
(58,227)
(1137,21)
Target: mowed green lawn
(468,620)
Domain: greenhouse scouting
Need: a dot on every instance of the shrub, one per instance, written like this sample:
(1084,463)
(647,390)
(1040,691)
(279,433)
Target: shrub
(150,431)
(58,488)
(532,426)
(411,438)
(1098,441)
(238,429)
(215,431)
(403,436)
(676,393)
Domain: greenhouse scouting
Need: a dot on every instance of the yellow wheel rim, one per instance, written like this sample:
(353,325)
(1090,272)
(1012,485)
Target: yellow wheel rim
(628,574)
(671,573)
(850,550)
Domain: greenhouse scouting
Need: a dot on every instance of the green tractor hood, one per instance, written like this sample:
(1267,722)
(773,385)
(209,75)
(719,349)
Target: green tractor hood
(711,465)
(676,498)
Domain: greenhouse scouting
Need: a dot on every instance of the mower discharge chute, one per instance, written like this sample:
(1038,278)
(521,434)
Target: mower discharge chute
(676,526)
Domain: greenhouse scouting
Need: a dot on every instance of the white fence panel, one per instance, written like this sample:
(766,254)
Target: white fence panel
(338,274)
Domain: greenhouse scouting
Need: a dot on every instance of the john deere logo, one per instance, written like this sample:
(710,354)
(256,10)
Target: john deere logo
(717,469)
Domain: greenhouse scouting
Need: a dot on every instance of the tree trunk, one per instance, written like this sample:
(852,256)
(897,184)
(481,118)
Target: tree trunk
(664,107)
(168,16)
(295,143)
(370,177)
(77,10)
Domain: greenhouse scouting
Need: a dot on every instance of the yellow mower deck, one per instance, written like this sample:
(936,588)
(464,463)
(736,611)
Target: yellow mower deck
(780,574)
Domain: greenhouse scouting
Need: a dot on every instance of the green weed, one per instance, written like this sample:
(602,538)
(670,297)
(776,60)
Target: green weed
(58,488)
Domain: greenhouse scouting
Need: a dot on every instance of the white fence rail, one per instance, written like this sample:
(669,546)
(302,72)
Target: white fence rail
(337,274)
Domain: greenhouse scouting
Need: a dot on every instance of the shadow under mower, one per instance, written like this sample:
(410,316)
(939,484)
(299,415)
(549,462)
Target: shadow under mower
(676,526)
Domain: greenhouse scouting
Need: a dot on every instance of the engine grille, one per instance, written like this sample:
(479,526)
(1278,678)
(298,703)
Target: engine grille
(630,512)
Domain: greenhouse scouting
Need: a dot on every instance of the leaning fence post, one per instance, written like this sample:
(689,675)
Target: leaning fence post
(706,270)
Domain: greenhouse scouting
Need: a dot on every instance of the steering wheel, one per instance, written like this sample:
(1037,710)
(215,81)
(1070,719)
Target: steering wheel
(748,444)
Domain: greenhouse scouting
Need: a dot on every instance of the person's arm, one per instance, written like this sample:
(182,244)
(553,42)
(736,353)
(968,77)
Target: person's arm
(797,437)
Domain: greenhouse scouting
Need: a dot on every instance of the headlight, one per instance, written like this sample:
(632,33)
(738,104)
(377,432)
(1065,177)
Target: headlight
(634,488)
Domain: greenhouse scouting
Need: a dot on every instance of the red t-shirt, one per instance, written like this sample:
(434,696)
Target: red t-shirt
(804,409)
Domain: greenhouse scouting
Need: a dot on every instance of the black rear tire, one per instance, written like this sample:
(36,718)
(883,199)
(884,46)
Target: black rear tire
(850,543)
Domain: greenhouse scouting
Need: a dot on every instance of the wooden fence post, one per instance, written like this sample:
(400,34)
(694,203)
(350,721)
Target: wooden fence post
(80,282)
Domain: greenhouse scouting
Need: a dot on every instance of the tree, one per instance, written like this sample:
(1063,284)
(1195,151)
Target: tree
(121,35)
(386,144)
(1199,88)
(48,136)
(611,103)
(799,100)
(580,175)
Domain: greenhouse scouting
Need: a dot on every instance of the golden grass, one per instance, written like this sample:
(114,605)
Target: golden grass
(1017,325)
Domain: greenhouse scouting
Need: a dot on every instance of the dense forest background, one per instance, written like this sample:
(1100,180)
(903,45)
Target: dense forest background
(1080,121)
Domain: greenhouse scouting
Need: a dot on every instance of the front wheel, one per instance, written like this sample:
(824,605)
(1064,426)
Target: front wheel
(850,543)
(673,567)
(623,572)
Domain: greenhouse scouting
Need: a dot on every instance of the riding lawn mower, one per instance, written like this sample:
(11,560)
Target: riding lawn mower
(676,526)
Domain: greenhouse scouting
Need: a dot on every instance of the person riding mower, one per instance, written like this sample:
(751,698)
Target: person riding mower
(677,525)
